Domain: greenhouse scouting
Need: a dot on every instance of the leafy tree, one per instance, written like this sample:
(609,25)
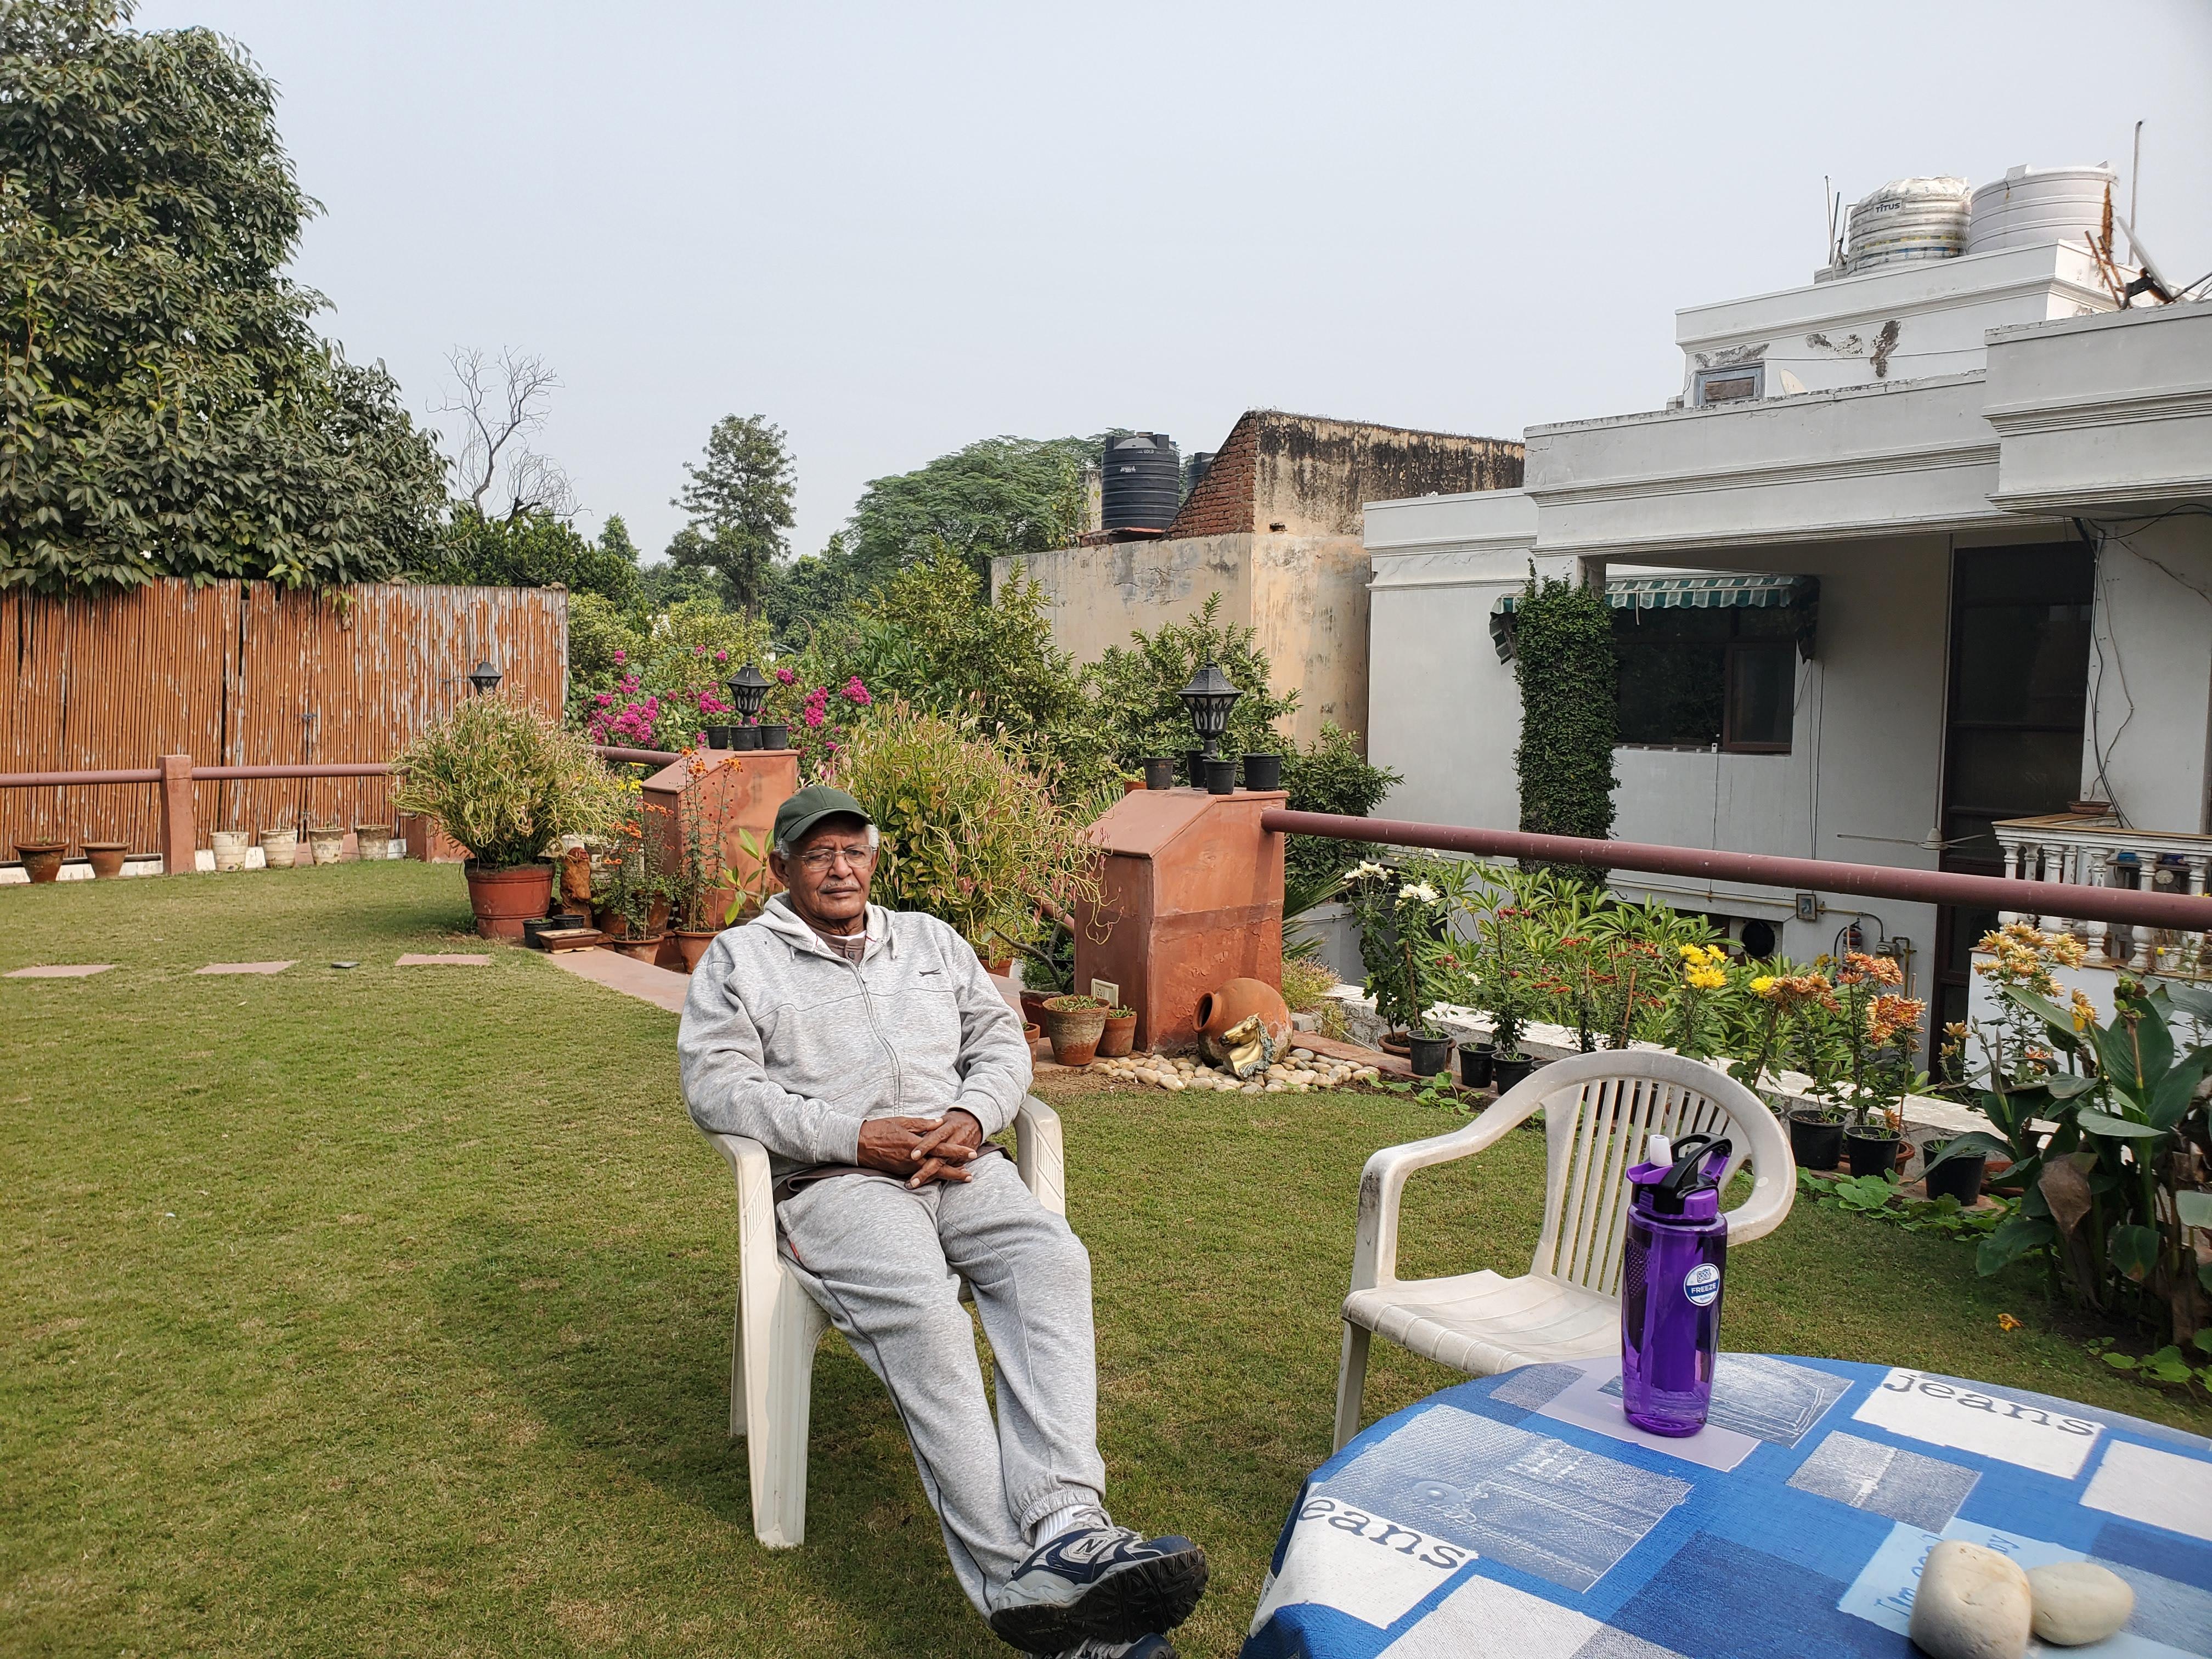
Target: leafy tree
(740,499)
(602,645)
(1138,687)
(531,550)
(673,582)
(1330,776)
(813,589)
(995,496)
(165,408)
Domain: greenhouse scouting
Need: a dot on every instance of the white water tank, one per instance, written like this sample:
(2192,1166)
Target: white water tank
(1907,220)
(2032,207)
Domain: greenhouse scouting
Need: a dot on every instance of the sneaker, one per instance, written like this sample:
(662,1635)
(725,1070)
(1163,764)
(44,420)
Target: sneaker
(1105,1584)
(1144,1647)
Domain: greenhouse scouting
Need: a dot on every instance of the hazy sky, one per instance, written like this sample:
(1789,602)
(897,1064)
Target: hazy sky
(892,229)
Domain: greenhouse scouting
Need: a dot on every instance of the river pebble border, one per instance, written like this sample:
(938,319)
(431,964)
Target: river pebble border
(1299,1072)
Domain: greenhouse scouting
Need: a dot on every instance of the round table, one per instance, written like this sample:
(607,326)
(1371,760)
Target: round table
(1520,1515)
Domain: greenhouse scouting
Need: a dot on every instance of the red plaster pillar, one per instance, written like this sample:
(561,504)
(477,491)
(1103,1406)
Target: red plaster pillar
(179,834)
(1190,896)
(731,790)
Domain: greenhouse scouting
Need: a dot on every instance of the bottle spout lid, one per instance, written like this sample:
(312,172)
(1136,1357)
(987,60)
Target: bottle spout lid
(1695,1169)
(1661,1151)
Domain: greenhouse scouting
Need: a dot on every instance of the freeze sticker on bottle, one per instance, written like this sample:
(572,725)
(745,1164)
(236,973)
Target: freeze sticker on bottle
(1702,1285)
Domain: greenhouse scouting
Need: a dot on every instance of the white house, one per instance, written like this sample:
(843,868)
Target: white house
(1963,509)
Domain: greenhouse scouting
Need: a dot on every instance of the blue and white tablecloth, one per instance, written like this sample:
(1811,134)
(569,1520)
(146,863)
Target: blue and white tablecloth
(1522,1516)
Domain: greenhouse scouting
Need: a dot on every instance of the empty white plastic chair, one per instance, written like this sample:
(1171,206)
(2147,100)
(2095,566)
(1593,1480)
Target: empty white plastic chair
(778,1325)
(1600,1110)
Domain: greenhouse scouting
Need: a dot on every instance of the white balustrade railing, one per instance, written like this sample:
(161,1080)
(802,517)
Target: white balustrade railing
(2076,849)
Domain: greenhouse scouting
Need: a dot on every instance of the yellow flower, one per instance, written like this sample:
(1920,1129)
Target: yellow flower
(2085,1012)
(1763,986)
(1706,979)
(2006,1322)
(1692,953)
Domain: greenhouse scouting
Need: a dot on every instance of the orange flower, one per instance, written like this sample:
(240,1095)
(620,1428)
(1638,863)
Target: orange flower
(1892,1014)
(2006,1322)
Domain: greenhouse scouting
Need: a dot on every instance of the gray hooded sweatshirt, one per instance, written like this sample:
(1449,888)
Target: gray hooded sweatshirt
(785,1042)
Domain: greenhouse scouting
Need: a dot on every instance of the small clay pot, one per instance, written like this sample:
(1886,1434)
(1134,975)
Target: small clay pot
(693,945)
(1395,1042)
(106,857)
(1033,1004)
(1119,1037)
(42,860)
(1074,1025)
(656,915)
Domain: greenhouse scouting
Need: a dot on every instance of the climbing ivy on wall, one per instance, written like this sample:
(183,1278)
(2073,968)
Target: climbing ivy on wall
(1563,658)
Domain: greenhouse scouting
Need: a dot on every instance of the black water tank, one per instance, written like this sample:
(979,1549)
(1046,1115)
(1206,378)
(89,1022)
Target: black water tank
(1195,470)
(1140,485)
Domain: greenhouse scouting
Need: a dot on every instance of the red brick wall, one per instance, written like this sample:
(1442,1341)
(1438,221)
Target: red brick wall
(1222,503)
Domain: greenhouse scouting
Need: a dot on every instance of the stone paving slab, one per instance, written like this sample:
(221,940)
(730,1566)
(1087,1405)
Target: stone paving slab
(246,967)
(63,970)
(660,987)
(415,960)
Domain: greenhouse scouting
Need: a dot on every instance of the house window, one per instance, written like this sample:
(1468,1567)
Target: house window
(1693,679)
(1738,384)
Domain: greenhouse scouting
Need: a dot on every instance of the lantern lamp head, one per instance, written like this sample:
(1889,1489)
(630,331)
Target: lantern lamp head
(1210,697)
(485,677)
(748,690)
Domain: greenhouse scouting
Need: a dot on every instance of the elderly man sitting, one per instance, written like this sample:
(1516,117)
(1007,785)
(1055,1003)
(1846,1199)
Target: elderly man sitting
(869,1052)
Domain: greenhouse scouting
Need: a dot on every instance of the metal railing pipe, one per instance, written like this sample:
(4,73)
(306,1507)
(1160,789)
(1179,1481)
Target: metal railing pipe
(63,780)
(342,769)
(2181,912)
(643,756)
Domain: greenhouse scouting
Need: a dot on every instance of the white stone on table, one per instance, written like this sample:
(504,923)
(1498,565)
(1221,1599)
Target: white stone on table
(2077,1602)
(1970,1603)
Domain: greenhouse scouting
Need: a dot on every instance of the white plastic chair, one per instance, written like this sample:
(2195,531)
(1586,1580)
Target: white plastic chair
(1599,1112)
(778,1325)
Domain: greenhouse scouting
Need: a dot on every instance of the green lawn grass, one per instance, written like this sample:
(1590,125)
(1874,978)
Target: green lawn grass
(386,1311)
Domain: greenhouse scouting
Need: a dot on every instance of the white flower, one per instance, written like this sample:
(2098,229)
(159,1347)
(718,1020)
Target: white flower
(1419,889)
(1361,872)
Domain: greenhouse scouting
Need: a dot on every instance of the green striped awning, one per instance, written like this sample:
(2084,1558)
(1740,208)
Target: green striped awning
(1684,593)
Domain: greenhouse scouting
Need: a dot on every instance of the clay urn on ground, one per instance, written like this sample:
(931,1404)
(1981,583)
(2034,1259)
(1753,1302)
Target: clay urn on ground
(1221,1010)
(42,860)
(106,857)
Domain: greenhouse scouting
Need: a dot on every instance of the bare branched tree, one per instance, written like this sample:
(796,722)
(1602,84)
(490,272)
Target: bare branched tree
(502,404)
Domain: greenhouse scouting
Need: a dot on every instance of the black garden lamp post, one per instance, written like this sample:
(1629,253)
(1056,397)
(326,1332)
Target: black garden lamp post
(748,690)
(1210,697)
(485,677)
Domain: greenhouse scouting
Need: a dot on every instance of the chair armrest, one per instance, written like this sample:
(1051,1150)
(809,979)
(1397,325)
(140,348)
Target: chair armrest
(748,1162)
(1382,1182)
(1040,1154)
(1773,1190)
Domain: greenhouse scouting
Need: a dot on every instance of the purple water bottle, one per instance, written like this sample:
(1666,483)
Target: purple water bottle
(1670,1285)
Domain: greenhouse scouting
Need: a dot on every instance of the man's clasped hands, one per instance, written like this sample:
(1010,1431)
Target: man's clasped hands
(922,1149)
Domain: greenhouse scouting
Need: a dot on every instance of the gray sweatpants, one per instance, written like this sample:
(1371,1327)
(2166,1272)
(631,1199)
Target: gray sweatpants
(886,1265)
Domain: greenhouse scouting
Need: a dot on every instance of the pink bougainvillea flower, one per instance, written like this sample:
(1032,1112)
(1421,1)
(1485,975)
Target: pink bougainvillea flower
(606,698)
(786,676)
(622,656)
(698,650)
(857,693)
(721,656)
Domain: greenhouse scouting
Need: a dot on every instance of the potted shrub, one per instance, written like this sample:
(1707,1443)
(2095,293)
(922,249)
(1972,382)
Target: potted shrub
(1263,771)
(42,860)
(1816,1137)
(1074,1025)
(1878,1028)
(1120,1035)
(1954,1169)
(1474,1065)
(506,784)
(106,857)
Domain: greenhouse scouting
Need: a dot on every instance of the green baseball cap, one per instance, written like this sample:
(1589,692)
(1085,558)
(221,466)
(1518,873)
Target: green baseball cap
(809,807)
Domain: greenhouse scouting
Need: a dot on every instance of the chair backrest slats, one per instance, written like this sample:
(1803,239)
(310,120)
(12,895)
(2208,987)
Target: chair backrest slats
(1596,1131)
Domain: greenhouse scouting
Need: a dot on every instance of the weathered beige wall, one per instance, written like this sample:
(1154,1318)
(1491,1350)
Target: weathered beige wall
(1305,598)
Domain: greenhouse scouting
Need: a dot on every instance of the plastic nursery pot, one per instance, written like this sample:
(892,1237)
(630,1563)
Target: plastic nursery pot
(1073,1025)
(1193,768)
(1507,1070)
(504,899)
(776,737)
(1871,1155)
(718,736)
(1119,1037)
(1474,1065)
(745,737)
(106,857)
(1429,1055)
(1958,1177)
(1159,773)
(1221,777)
(1263,771)
(42,860)
(1814,1142)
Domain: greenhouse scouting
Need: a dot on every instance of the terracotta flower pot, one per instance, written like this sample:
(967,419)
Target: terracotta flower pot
(656,916)
(1033,1004)
(1223,1010)
(1119,1037)
(1395,1042)
(106,857)
(230,846)
(375,841)
(327,846)
(280,848)
(693,945)
(504,899)
(637,950)
(42,860)
(1074,1025)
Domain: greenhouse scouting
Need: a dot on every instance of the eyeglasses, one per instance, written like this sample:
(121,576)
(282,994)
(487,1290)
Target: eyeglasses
(822,859)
